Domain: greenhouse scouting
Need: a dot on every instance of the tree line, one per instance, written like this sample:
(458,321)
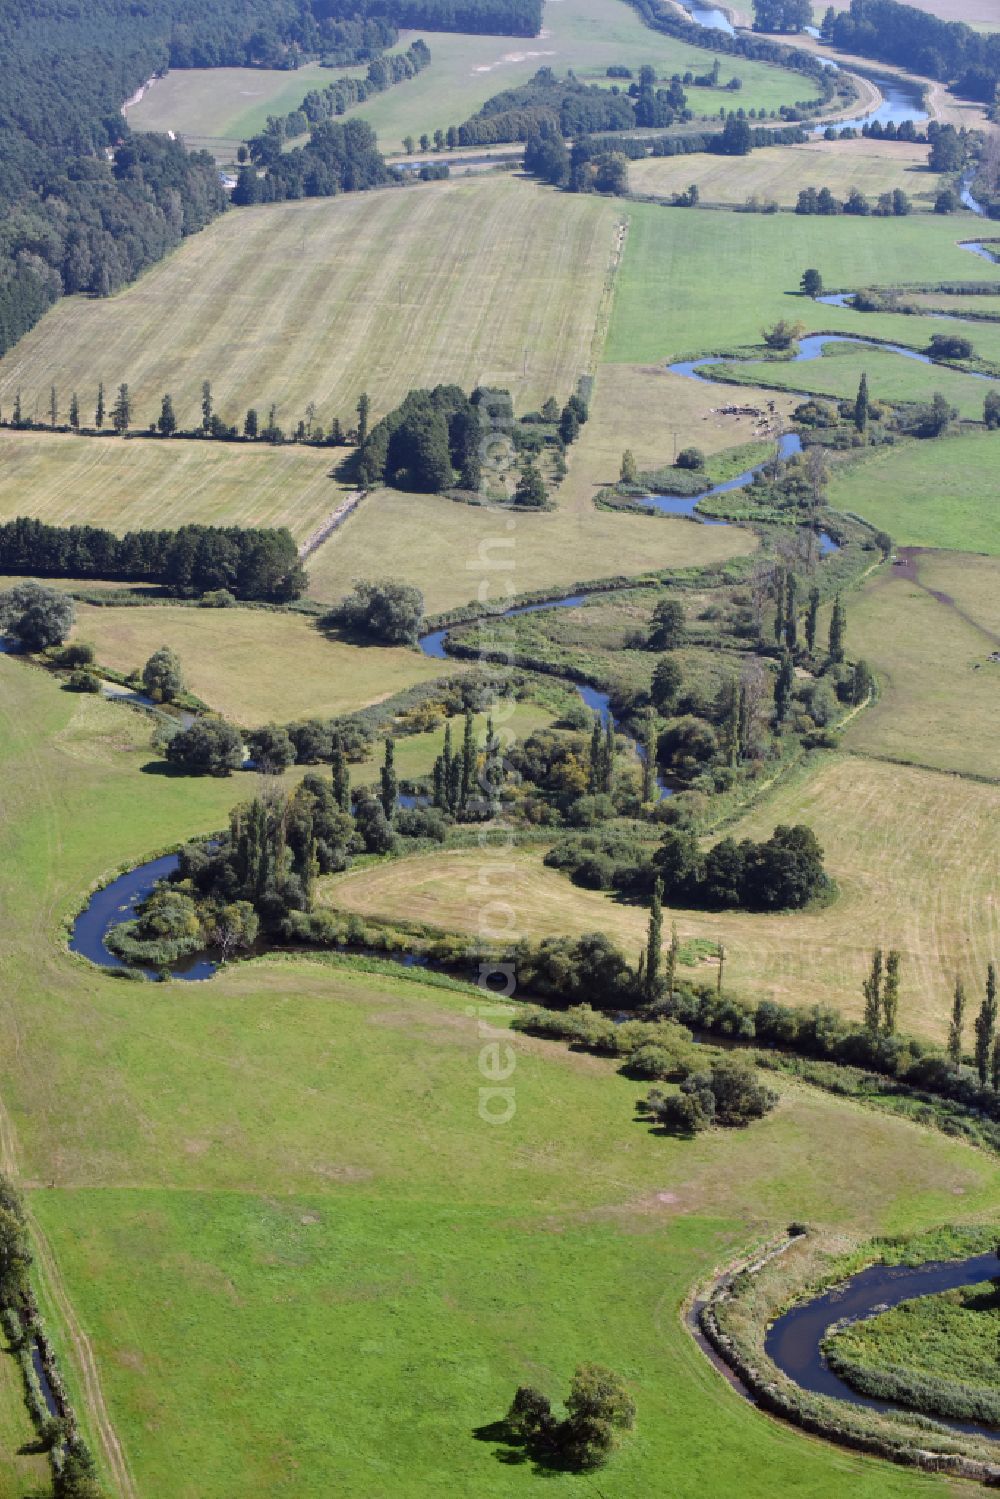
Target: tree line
(783,872)
(118,414)
(338,158)
(250,562)
(432,441)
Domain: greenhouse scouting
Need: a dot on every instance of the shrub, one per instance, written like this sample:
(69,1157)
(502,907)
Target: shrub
(83,680)
(77,653)
(161,675)
(271,749)
(690,458)
(950,346)
(35,615)
(383,610)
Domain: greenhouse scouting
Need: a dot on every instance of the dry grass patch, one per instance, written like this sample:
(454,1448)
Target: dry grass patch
(646,408)
(929,629)
(315,301)
(914,855)
(252,665)
(128,485)
(780,171)
(448,549)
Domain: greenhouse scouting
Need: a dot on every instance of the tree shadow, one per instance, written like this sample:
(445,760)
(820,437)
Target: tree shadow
(546,1458)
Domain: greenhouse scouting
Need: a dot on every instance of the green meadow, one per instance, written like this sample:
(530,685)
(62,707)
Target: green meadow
(692,283)
(927,494)
(303,1262)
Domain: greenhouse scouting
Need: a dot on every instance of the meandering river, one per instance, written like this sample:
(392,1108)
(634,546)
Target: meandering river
(794,1341)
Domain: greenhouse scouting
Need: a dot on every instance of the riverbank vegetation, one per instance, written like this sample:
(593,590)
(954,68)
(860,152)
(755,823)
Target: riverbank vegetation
(936,1354)
(880,826)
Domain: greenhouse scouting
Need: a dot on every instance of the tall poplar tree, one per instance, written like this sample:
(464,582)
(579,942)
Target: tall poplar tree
(812,617)
(468,759)
(654,942)
(957,1025)
(388,782)
(986,1024)
(672,954)
(99,413)
(861,404)
(341,779)
(783,687)
(649,759)
(838,628)
(791,613)
(872,989)
(121,414)
(890,993)
(779,609)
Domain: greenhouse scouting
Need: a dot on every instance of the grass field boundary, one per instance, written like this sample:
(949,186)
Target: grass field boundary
(333,522)
(55,1293)
(938,770)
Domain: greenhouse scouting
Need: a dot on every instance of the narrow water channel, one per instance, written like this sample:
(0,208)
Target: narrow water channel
(794,1341)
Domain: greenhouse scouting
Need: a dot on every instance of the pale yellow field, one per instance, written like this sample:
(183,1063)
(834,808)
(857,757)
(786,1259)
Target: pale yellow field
(491,280)
(780,171)
(450,550)
(654,413)
(914,853)
(930,632)
(102,481)
(254,666)
(216,108)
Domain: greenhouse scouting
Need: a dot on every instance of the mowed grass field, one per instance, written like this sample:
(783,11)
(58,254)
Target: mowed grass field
(457,554)
(128,485)
(216,108)
(585,35)
(253,666)
(927,494)
(779,172)
(914,854)
(302,1261)
(929,629)
(493,280)
(694,282)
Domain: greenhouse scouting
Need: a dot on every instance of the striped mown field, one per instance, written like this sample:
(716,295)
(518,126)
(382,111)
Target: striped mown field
(101,481)
(495,281)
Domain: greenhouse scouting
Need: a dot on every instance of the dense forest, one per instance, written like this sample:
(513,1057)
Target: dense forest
(251,563)
(901,34)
